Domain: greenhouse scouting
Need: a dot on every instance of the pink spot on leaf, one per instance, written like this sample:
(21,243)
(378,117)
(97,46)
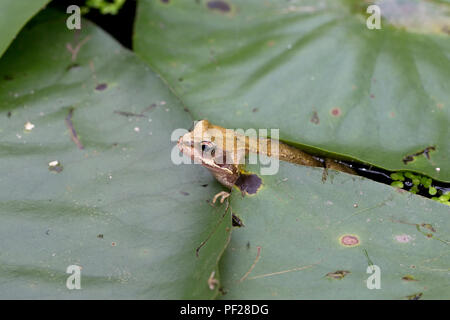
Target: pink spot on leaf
(349,240)
(403,238)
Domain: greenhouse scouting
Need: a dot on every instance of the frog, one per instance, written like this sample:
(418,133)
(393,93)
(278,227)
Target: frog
(223,152)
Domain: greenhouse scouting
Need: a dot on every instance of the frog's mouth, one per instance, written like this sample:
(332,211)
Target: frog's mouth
(188,148)
(185,148)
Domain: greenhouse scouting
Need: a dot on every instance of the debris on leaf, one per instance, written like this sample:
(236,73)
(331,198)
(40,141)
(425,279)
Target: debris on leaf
(212,282)
(409,277)
(29,126)
(415,296)
(338,275)
(55,166)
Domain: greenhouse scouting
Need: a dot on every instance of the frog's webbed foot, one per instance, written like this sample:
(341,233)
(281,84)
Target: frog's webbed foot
(223,195)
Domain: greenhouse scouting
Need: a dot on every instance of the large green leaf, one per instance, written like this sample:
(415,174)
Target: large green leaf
(132,219)
(13,16)
(313,70)
(298,223)
(119,208)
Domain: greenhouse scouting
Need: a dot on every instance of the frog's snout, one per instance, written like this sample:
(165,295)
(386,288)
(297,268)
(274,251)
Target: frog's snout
(180,143)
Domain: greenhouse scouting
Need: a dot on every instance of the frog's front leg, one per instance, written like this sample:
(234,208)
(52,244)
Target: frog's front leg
(227,176)
(223,195)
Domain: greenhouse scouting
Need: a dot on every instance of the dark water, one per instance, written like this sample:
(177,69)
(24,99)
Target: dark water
(120,26)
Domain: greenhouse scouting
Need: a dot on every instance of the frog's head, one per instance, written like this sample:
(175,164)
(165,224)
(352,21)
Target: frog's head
(206,145)
(201,146)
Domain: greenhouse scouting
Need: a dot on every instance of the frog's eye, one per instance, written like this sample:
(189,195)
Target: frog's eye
(208,147)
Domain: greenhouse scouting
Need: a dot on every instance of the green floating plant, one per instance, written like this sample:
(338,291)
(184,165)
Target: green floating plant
(397,176)
(414,189)
(419,182)
(445,198)
(104,6)
(426,182)
(432,191)
(397,184)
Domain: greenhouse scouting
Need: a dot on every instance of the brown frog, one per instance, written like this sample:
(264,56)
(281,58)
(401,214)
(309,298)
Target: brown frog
(223,152)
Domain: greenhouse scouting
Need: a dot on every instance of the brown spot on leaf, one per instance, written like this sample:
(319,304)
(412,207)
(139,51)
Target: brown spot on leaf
(428,226)
(73,133)
(129,114)
(249,183)
(219,5)
(415,296)
(407,159)
(149,108)
(72,66)
(8,77)
(184,193)
(101,87)
(338,275)
(349,240)
(254,109)
(426,152)
(165,1)
(9,114)
(409,277)
(315,118)
(372,95)
(222,291)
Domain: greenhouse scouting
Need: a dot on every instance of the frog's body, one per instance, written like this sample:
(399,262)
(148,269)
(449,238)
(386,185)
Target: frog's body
(223,152)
